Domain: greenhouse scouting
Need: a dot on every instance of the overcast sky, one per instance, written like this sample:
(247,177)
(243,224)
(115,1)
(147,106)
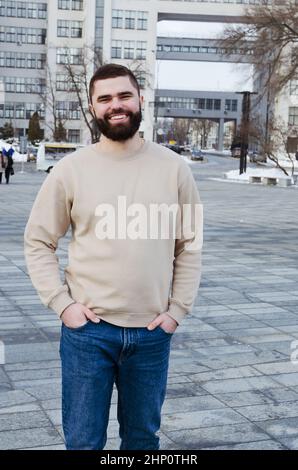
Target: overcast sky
(199,76)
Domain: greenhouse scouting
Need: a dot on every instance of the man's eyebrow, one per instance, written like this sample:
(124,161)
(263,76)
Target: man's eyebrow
(118,94)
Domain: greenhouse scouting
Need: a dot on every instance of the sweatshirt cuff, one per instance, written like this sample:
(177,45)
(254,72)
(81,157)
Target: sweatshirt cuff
(176,312)
(61,302)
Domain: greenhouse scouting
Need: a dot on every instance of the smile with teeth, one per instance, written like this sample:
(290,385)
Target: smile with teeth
(118,117)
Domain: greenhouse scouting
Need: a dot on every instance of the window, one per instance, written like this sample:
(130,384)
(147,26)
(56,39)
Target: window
(76,29)
(2,7)
(74,135)
(40,61)
(294,87)
(21,10)
(141,81)
(234,105)
(42,11)
(209,103)
(2,59)
(10,35)
(20,110)
(69,56)
(31,63)
(62,83)
(21,61)
(142,20)
(9,84)
(2,34)
(61,55)
(32,10)
(62,108)
(30,109)
(20,85)
(117,19)
(116,52)
(217,105)
(74,110)
(201,103)
(130,19)
(64,4)
(293,116)
(227,105)
(141,50)
(129,49)
(77,5)
(1,110)
(21,36)
(62,29)
(9,110)
(10,59)
(76,56)
(41,36)
(11,8)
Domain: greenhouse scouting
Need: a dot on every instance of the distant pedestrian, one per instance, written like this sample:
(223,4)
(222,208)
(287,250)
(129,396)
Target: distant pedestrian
(9,164)
(296,155)
(3,163)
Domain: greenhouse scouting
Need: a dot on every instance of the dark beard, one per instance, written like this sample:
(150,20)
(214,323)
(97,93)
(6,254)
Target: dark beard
(120,132)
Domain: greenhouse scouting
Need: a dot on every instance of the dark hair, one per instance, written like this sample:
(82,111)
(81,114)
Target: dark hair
(112,71)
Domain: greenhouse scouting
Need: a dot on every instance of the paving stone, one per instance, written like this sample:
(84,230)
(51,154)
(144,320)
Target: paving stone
(179,405)
(198,419)
(28,438)
(217,435)
(15,397)
(259,445)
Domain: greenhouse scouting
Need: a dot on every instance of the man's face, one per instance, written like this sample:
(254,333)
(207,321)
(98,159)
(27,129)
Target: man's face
(117,108)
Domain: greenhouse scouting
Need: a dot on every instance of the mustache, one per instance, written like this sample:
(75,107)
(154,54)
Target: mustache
(117,111)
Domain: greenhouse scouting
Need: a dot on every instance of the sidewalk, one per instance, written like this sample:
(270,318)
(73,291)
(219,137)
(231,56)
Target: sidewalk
(231,384)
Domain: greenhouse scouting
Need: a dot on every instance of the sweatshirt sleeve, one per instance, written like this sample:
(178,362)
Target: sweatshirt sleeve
(49,220)
(188,249)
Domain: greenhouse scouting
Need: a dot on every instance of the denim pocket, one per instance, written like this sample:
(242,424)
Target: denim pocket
(165,332)
(78,328)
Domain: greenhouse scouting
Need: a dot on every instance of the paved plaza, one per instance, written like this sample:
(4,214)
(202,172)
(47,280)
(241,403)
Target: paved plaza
(232,384)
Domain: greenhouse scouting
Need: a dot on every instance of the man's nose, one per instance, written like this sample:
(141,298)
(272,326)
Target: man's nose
(116,102)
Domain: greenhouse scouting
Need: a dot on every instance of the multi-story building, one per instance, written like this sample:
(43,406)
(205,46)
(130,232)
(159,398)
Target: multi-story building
(39,37)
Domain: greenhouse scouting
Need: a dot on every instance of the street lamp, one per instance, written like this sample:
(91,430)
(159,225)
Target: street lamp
(244,129)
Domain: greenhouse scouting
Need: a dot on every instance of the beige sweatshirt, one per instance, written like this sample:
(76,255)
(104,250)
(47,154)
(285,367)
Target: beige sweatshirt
(122,263)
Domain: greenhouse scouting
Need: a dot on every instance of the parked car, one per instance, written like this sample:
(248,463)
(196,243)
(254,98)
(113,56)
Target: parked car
(254,156)
(197,154)
(175,148)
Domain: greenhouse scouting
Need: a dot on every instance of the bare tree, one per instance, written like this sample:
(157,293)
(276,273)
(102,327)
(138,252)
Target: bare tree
(279,142)
(78,76)
(202,128)
(269,33)
(180,129)
(48,97)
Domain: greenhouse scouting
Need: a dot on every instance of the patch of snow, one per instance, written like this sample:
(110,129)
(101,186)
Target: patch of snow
(272,172)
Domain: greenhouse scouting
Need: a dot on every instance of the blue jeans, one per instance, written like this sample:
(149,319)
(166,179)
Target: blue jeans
(94,357)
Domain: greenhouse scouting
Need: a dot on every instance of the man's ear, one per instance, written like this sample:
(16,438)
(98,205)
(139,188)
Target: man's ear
(91,110)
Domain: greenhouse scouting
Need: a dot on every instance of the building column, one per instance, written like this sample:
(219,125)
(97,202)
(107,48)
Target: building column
(220,135)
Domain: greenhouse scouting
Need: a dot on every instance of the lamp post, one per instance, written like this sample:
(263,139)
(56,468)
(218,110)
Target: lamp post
(244,129)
